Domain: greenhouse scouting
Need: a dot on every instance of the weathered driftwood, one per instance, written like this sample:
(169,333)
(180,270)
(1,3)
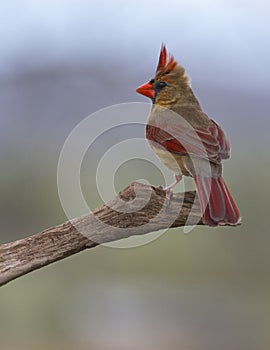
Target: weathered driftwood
(137,210)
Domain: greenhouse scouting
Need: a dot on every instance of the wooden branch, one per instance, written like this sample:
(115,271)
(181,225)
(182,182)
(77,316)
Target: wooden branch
(137,210)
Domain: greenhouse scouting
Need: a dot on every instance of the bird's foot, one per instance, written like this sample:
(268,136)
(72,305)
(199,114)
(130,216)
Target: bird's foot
(178,178)
(169,194)
(169,189)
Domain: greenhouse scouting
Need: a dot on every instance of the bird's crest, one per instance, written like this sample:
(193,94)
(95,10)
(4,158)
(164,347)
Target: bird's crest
(166,61)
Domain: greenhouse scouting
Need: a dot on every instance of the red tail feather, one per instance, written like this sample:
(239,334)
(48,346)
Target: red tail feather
(217,204)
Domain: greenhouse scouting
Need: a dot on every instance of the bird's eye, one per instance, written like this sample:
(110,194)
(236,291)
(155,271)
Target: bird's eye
(152,81)
(161,84)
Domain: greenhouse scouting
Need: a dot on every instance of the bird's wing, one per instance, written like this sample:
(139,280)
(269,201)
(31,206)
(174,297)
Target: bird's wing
(223,141)
(205,142)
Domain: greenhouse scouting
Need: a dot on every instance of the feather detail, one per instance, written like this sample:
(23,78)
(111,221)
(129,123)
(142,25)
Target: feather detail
(166,62)
(198,141)
(162,57)
(216,202)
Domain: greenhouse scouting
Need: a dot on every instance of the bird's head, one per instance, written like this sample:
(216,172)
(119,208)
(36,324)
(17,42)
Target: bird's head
(169,83)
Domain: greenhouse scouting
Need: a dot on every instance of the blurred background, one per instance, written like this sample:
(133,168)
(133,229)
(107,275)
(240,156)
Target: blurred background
(63,60)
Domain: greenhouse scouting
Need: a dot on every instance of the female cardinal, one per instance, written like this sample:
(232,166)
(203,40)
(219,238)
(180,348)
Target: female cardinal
(187,141)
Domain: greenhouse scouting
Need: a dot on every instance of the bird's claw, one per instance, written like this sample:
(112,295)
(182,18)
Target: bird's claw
(168,191)
(169,194)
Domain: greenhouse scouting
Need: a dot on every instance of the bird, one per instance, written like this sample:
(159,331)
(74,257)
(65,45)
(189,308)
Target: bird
(187,141)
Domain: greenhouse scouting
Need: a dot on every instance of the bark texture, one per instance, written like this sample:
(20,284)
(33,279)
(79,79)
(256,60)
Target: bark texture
(137,210)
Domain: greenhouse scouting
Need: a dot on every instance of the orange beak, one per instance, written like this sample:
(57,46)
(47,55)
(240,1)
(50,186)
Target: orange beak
(146,90)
